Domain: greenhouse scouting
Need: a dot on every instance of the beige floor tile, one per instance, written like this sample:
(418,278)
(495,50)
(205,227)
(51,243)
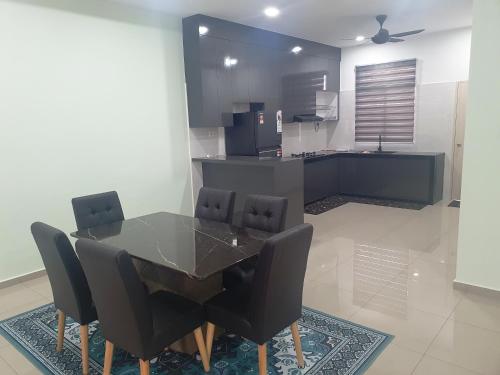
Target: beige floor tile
(3,342)
(5,369)
(476,349)
(413,329)
(15,296)
(479,310)
(17,361)
(40,285)
(338,302)
(432,366)
(18,309)
(394,360)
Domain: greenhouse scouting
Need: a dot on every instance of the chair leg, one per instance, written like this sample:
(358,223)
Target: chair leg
(108,358)
(60,331)
(198,336)
(210,339)
(298,346)
(263,359)
(84,341)
(144,366)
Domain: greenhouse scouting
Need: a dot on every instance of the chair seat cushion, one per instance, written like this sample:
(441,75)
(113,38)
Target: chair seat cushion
(229,309)
(173,318)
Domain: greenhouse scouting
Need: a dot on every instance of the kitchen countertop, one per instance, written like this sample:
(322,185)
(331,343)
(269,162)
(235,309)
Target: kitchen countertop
(273,161)
(397,154)
(246,160)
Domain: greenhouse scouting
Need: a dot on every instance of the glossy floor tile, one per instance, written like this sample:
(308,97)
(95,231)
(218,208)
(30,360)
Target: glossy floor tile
(387,268)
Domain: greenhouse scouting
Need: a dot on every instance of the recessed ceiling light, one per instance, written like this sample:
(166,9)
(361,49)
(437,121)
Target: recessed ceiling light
(272,12)
(296,49)
(416,274)
(360,38)
(230,61)
(202,30)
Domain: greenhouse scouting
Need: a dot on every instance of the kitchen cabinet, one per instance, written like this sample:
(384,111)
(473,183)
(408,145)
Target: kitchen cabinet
(259,59)
(399,178)
(321,179)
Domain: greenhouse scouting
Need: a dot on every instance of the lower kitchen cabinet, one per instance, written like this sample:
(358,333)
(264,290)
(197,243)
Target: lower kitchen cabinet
(407,177)
(321,179)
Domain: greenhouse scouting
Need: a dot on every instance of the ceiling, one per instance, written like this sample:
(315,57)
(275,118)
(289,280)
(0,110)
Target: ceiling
(327,21)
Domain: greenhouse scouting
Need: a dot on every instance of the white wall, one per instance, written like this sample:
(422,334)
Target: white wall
(91,100)
(442,57)
(479,236)
(443,61)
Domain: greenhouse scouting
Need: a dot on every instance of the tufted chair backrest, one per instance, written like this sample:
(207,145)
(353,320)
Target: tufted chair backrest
(265,213)
(97,209)
(215,204)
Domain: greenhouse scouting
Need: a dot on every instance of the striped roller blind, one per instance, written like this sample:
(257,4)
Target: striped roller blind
(385,102)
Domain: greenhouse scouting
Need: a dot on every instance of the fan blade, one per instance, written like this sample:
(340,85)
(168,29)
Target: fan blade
(396,40)
(406,33)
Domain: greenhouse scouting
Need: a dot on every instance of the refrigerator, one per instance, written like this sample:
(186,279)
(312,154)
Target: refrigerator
(254,133)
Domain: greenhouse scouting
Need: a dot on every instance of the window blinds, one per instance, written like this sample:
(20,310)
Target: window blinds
(385,102)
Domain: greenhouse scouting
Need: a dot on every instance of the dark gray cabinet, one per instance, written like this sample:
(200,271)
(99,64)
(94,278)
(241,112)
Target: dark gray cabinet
(321,179)
(235,64)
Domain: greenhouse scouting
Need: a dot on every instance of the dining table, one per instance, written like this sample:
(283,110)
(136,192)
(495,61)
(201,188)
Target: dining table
(184,255)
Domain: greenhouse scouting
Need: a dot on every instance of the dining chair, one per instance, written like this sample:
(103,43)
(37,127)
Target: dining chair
(143,325)
(274,300)
(215,204)
(69,285)
(97,209)
(262,212)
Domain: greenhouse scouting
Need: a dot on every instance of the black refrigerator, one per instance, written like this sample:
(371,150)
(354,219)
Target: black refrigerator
(254,133)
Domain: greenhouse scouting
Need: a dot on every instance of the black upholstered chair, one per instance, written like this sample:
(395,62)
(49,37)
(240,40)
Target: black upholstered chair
(69,286)
(139,323)
(274,300)
(215,204)
(262,212)
(97,209)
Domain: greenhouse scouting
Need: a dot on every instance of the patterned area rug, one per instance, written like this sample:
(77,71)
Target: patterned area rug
(335,201)
(331,346)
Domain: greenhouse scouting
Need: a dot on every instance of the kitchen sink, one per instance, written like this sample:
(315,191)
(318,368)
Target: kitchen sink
(378,152)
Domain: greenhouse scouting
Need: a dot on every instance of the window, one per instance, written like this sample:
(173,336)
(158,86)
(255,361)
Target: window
(385,102)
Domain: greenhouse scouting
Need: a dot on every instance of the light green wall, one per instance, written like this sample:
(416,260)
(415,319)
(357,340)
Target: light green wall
(91,99)
(479,232)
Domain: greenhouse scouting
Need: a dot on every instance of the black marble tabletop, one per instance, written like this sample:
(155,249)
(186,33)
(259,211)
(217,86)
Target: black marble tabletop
(199,248)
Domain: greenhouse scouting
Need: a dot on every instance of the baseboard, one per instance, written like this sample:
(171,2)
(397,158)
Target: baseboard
(22,278)
(481,290)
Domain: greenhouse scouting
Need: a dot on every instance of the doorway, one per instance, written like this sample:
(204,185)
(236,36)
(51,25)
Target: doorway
(458,144)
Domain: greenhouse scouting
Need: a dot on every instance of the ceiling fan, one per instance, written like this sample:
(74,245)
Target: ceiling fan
(383,36)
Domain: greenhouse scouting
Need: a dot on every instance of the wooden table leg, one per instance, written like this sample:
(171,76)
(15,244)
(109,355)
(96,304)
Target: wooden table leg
(210,338)
(198,336)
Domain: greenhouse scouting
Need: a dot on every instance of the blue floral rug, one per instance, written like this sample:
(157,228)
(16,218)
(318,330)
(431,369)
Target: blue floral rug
(331,346)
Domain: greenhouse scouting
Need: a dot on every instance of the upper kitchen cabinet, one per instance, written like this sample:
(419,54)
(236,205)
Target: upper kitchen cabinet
(228,66)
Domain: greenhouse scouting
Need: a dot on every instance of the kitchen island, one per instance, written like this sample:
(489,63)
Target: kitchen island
(283,177)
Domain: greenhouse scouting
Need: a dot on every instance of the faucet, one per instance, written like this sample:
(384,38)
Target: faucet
(380,143)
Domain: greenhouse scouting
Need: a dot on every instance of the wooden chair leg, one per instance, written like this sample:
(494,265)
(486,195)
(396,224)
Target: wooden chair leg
(84,341)
(108,357)
(144,366)
(210,339)
(263,359)
(298,346)
(60,331)
(198,336)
